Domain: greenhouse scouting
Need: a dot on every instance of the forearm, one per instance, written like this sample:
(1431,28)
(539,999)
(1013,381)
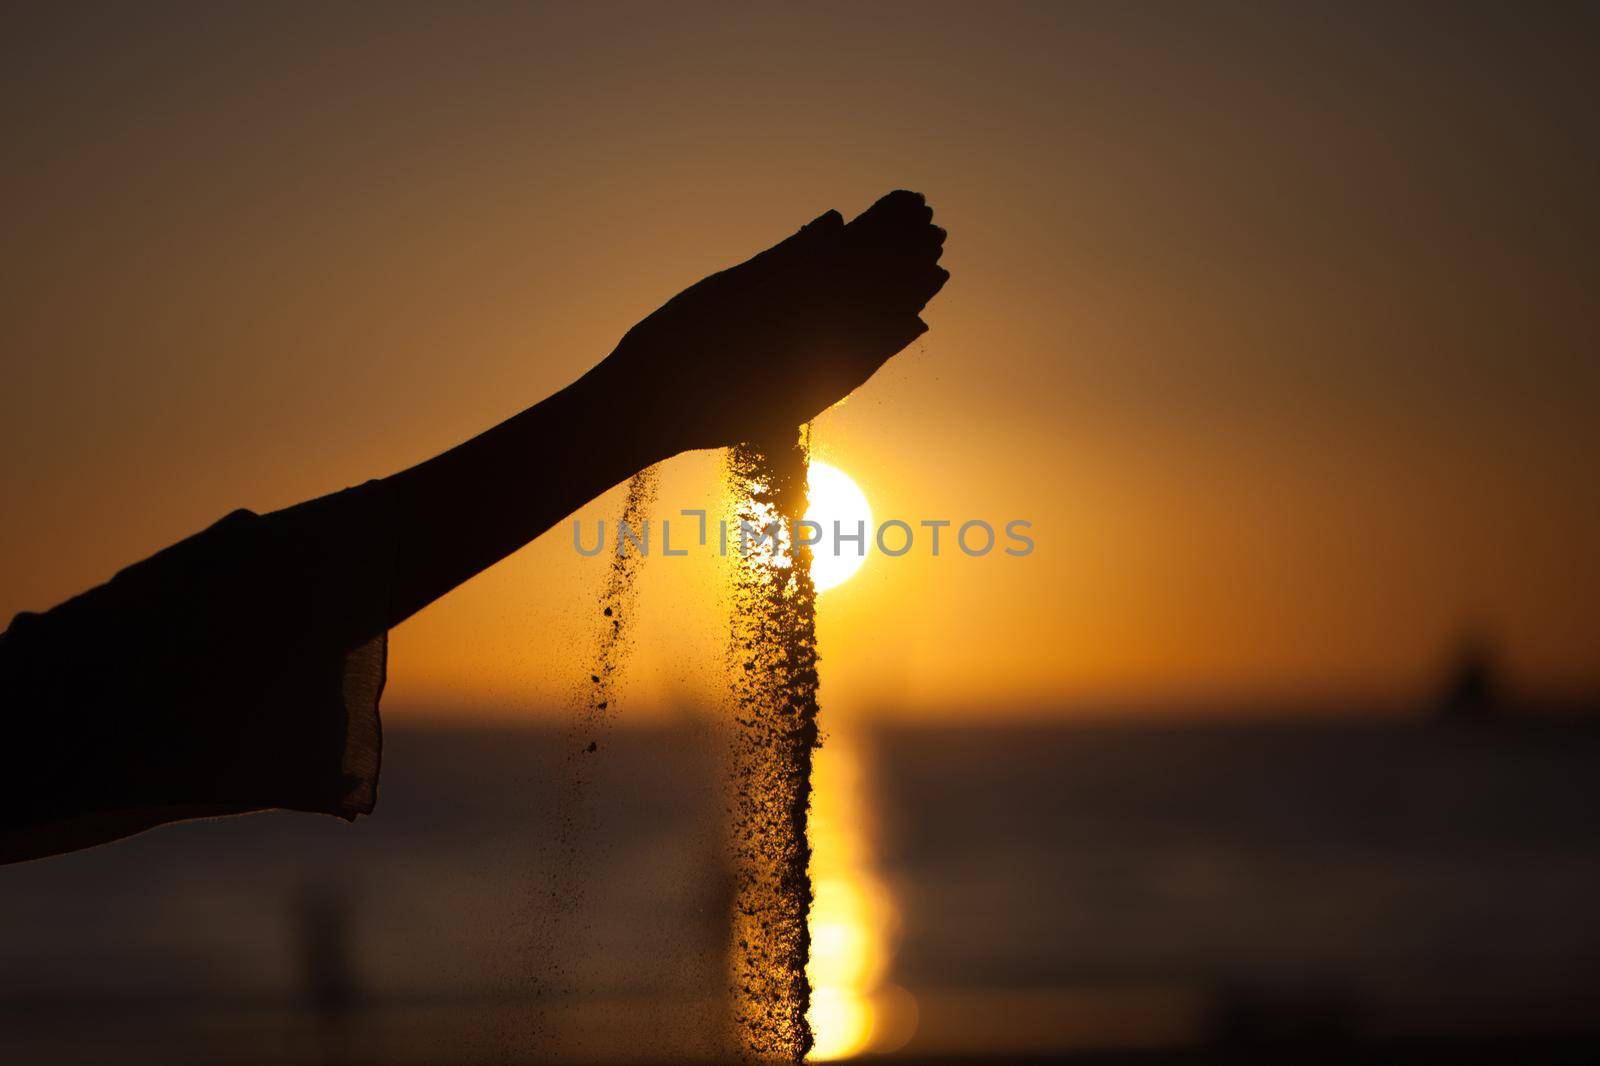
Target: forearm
(758,347)
(462,511)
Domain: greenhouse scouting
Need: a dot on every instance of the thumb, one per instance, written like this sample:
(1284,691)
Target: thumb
(825,225)
(827,222)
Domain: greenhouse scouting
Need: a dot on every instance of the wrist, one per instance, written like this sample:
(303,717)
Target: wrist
(625,407)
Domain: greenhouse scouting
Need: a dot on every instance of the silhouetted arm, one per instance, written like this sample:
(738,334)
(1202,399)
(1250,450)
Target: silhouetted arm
(461,512)
(241,668)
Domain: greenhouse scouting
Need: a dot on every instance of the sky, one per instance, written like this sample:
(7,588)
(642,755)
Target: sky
(1275,321)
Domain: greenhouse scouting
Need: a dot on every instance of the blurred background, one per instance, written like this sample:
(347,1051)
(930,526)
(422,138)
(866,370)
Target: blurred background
(1336,888)
(1275,322)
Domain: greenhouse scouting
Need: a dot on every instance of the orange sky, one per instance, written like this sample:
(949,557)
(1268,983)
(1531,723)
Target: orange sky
(1278,325)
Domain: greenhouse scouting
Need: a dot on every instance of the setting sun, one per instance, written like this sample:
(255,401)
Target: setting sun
(833,497)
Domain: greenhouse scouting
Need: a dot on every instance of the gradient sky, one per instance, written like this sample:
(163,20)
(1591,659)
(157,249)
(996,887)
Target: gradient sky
(1277,321)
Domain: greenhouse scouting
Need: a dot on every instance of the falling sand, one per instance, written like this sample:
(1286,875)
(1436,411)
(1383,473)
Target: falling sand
(773,667)
(598,692)
(772,663)
(564,931)
(616,601)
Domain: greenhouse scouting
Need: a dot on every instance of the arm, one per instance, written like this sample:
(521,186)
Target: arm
(463,511)
(240,669)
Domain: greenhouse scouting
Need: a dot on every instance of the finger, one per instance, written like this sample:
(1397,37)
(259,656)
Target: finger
(915,286)
(921,241)
(877,249)
(879,339)
(886,232)
(888,283)
(928,284)
(894,218)
(899,204)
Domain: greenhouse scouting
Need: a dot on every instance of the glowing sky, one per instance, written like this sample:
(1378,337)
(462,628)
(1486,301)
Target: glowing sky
(1277,323)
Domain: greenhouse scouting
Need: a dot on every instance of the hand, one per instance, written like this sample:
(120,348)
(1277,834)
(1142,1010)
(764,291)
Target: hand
(750,353)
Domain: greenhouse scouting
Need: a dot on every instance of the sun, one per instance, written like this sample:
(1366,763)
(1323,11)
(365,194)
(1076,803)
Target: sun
(833,497)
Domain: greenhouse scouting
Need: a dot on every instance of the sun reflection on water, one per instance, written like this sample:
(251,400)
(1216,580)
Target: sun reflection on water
(853,918)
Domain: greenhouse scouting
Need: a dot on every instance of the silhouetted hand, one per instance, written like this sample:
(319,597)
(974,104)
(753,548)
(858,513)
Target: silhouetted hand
(752,352)
(746,355)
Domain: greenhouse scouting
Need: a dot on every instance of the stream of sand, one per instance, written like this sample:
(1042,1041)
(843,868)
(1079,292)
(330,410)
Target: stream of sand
(772,666)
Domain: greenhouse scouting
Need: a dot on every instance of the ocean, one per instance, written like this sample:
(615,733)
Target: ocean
(1154,889)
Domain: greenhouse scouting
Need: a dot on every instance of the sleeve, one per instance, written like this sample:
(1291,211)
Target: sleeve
(238,670)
